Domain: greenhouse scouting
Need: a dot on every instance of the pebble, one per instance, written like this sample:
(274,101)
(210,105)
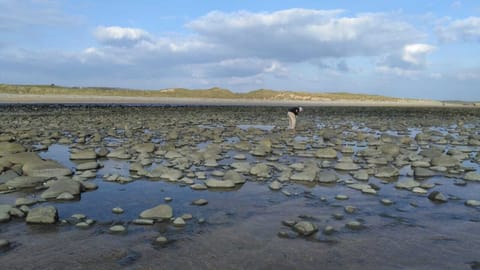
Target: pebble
(200,202)
(117,229)
(161,240)
(117,210)
(341,197)
(354,225)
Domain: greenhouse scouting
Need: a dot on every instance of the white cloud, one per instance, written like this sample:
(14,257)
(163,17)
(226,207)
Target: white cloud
(299,34)
(416,53)
(121,36)
(460,30)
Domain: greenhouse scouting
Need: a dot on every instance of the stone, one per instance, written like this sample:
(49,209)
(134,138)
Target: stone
(241,166)
(45,168)
(309,174)
(143,221)
(92,165)
(471,176)
(4,243)
(387,172)
(420,172)
(161,240)
(437,197)
(179,222)
(361,175)
(7,148)
(117,210)
(213,183)
(84,154)
(200,202)
(162,211)
(326,153)
(118,229)
(65,196)
(25,201)
(419,190)
(445,161)
(328,230)
(144,148)
(25,182)
(260,170)
(198,186)
(407,183)
(119,153)
(275,185)
(42,215)
(234,176)
(62,186)
(472,203)
(327,177)
(341,197)
(346,166)
(354,225)
(305,228)
(391,150)
(386,202)
(5,212)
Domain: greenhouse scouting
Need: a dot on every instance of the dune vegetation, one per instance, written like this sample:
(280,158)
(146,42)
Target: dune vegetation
(219,93)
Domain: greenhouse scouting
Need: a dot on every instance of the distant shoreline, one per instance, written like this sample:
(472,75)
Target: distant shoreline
(85,99)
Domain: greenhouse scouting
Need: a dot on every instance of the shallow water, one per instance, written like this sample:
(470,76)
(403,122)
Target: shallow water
(242,224)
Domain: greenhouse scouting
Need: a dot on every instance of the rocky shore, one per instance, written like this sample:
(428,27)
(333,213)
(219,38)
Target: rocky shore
(171,172)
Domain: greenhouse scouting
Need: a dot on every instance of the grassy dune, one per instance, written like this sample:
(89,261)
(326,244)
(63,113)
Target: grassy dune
(263,94)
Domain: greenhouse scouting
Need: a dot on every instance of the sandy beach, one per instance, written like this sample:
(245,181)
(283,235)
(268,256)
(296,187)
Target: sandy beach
(81,99)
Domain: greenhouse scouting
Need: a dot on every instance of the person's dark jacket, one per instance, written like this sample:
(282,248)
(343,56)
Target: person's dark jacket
(294,110)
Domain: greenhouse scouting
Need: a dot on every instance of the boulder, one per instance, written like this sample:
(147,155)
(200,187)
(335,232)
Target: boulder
(45,168)
(25,182)
(7,148)
(162,211)
(84,154)
(305,228)
(213,183)
(60,187)
(445,161)
(42,215)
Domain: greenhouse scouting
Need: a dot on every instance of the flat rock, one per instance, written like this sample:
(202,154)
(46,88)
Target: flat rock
(144,148)
(42,215)
(117,229)
(387,172)
(361,175)
(309,175)
(445,161)
(472,203)
(200,202)
(241,166)
(472,176)
(62,186)
(407,183)
(92,165)
(5,212)
(213,183)
(143,221)
(346,166)
(326,153)
(25,182)
(45,168)
(261,170)
(83,154)
(327,177)
(7,148)
(162,211)
(234,176)
(420,172)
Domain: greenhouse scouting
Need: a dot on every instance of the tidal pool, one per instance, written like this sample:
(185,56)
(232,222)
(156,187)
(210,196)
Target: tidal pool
(385,188)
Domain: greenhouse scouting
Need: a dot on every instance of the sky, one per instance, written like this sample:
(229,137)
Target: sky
(427,49)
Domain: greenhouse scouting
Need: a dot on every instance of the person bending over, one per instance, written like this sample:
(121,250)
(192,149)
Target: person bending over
(292,116)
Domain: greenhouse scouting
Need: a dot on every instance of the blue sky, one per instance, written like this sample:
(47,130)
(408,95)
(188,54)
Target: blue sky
(417,49)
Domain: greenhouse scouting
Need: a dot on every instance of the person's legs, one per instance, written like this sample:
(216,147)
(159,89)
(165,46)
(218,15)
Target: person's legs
(291,120)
